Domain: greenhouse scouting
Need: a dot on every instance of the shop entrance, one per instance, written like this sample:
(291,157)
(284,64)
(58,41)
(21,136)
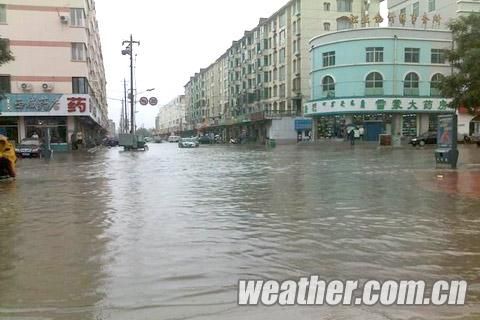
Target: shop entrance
(372,130)
(9,128)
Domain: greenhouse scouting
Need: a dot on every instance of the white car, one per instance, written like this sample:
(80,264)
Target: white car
(174,139)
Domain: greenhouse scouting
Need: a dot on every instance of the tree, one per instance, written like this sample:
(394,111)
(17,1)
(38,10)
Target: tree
(5,53)
(463,86)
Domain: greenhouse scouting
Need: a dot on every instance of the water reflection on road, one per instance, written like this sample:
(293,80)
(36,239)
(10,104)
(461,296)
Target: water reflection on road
(166,234)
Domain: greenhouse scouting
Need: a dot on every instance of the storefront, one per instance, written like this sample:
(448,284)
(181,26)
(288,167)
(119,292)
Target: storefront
(27,115)
(406,117)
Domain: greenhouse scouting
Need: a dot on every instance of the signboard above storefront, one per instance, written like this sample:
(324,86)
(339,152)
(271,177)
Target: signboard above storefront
(377,105)
(35,105)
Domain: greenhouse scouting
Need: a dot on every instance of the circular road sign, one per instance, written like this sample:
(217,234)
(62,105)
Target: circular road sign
(143,101)
(153,101)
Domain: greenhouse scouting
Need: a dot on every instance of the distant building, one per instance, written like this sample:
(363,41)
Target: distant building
(257,87)
(57,79)
(171,117)
(112,130)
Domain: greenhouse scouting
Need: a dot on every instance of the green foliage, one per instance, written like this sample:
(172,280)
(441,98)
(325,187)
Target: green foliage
(5,53)
(464,85)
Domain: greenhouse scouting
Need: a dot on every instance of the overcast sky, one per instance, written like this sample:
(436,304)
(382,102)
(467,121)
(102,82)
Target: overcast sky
(177,38)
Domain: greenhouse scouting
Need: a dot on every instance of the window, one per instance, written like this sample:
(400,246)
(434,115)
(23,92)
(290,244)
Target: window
(80,85)
(344,23)
(281,73)
(431,5)
(435,85)
(3,13)
(5,86)
(282,38)
(374,84)
(329,59)
(281,20)
(78,51)
(326,6)
(416,9)
(282,91)
(328,87)
(410,85)
(77,17)
(412,55)
(438,56)
(282,56)
(344,5)
(374,54)
(326,26)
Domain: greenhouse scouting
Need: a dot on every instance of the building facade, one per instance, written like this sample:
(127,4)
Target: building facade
(57,79)
(171,117)
(444,9)
(256,89)
(384,80)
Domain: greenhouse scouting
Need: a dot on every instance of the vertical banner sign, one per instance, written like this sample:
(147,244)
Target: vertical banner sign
(447,152)
(445,134)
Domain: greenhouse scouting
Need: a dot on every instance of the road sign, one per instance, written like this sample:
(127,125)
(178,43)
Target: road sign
(153,101)
(143,101)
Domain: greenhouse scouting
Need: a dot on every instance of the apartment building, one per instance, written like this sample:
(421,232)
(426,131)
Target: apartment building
(171,117)
(256,89)
(431,9)
(57,80)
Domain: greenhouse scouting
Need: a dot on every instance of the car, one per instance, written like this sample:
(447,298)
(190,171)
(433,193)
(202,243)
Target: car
(205,140)
(29,148)
(173,139)
(424,138)
(474,138)
(188,143)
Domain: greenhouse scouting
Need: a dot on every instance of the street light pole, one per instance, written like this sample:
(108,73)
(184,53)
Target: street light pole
(129,51)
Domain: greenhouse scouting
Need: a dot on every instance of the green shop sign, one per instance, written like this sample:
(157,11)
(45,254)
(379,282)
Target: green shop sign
(378,105)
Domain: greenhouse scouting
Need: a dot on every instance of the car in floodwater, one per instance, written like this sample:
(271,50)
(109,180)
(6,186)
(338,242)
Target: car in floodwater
(425,138)
(29,148)
(188,143)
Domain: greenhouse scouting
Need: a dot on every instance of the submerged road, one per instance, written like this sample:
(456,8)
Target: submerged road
(167,234)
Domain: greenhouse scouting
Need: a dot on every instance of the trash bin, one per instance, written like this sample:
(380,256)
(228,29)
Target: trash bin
(271,143)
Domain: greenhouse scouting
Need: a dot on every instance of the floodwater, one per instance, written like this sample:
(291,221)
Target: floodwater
(167,234)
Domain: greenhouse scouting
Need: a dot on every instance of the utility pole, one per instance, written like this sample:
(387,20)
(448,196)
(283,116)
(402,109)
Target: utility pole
(129,51)
(124,106)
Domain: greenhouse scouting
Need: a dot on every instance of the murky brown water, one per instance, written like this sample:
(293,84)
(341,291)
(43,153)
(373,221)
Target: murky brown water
(167,234)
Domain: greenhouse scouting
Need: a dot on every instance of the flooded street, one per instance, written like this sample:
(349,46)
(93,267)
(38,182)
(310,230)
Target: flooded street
(167,234)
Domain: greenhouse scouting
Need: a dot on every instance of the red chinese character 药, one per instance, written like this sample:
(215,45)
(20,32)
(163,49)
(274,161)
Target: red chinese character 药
(74,103)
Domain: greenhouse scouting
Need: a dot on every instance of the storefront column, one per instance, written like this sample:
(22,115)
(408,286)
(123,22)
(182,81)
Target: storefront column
(423,123)
(70,129)
(21,129)
(397,125)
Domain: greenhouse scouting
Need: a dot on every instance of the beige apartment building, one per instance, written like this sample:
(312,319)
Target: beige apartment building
(171,117)
(444,9)
(255,90)
(57,80)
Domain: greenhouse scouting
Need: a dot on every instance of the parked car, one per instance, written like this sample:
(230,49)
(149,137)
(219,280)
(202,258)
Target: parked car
(188,143)
(29,148)
(205,140)
(110,142)
(174,139)
(425,138)
(474,138)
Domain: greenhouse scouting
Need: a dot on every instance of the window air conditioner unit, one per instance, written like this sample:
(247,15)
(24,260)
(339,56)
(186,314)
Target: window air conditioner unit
(47,87)
(64,19)
(26,86)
